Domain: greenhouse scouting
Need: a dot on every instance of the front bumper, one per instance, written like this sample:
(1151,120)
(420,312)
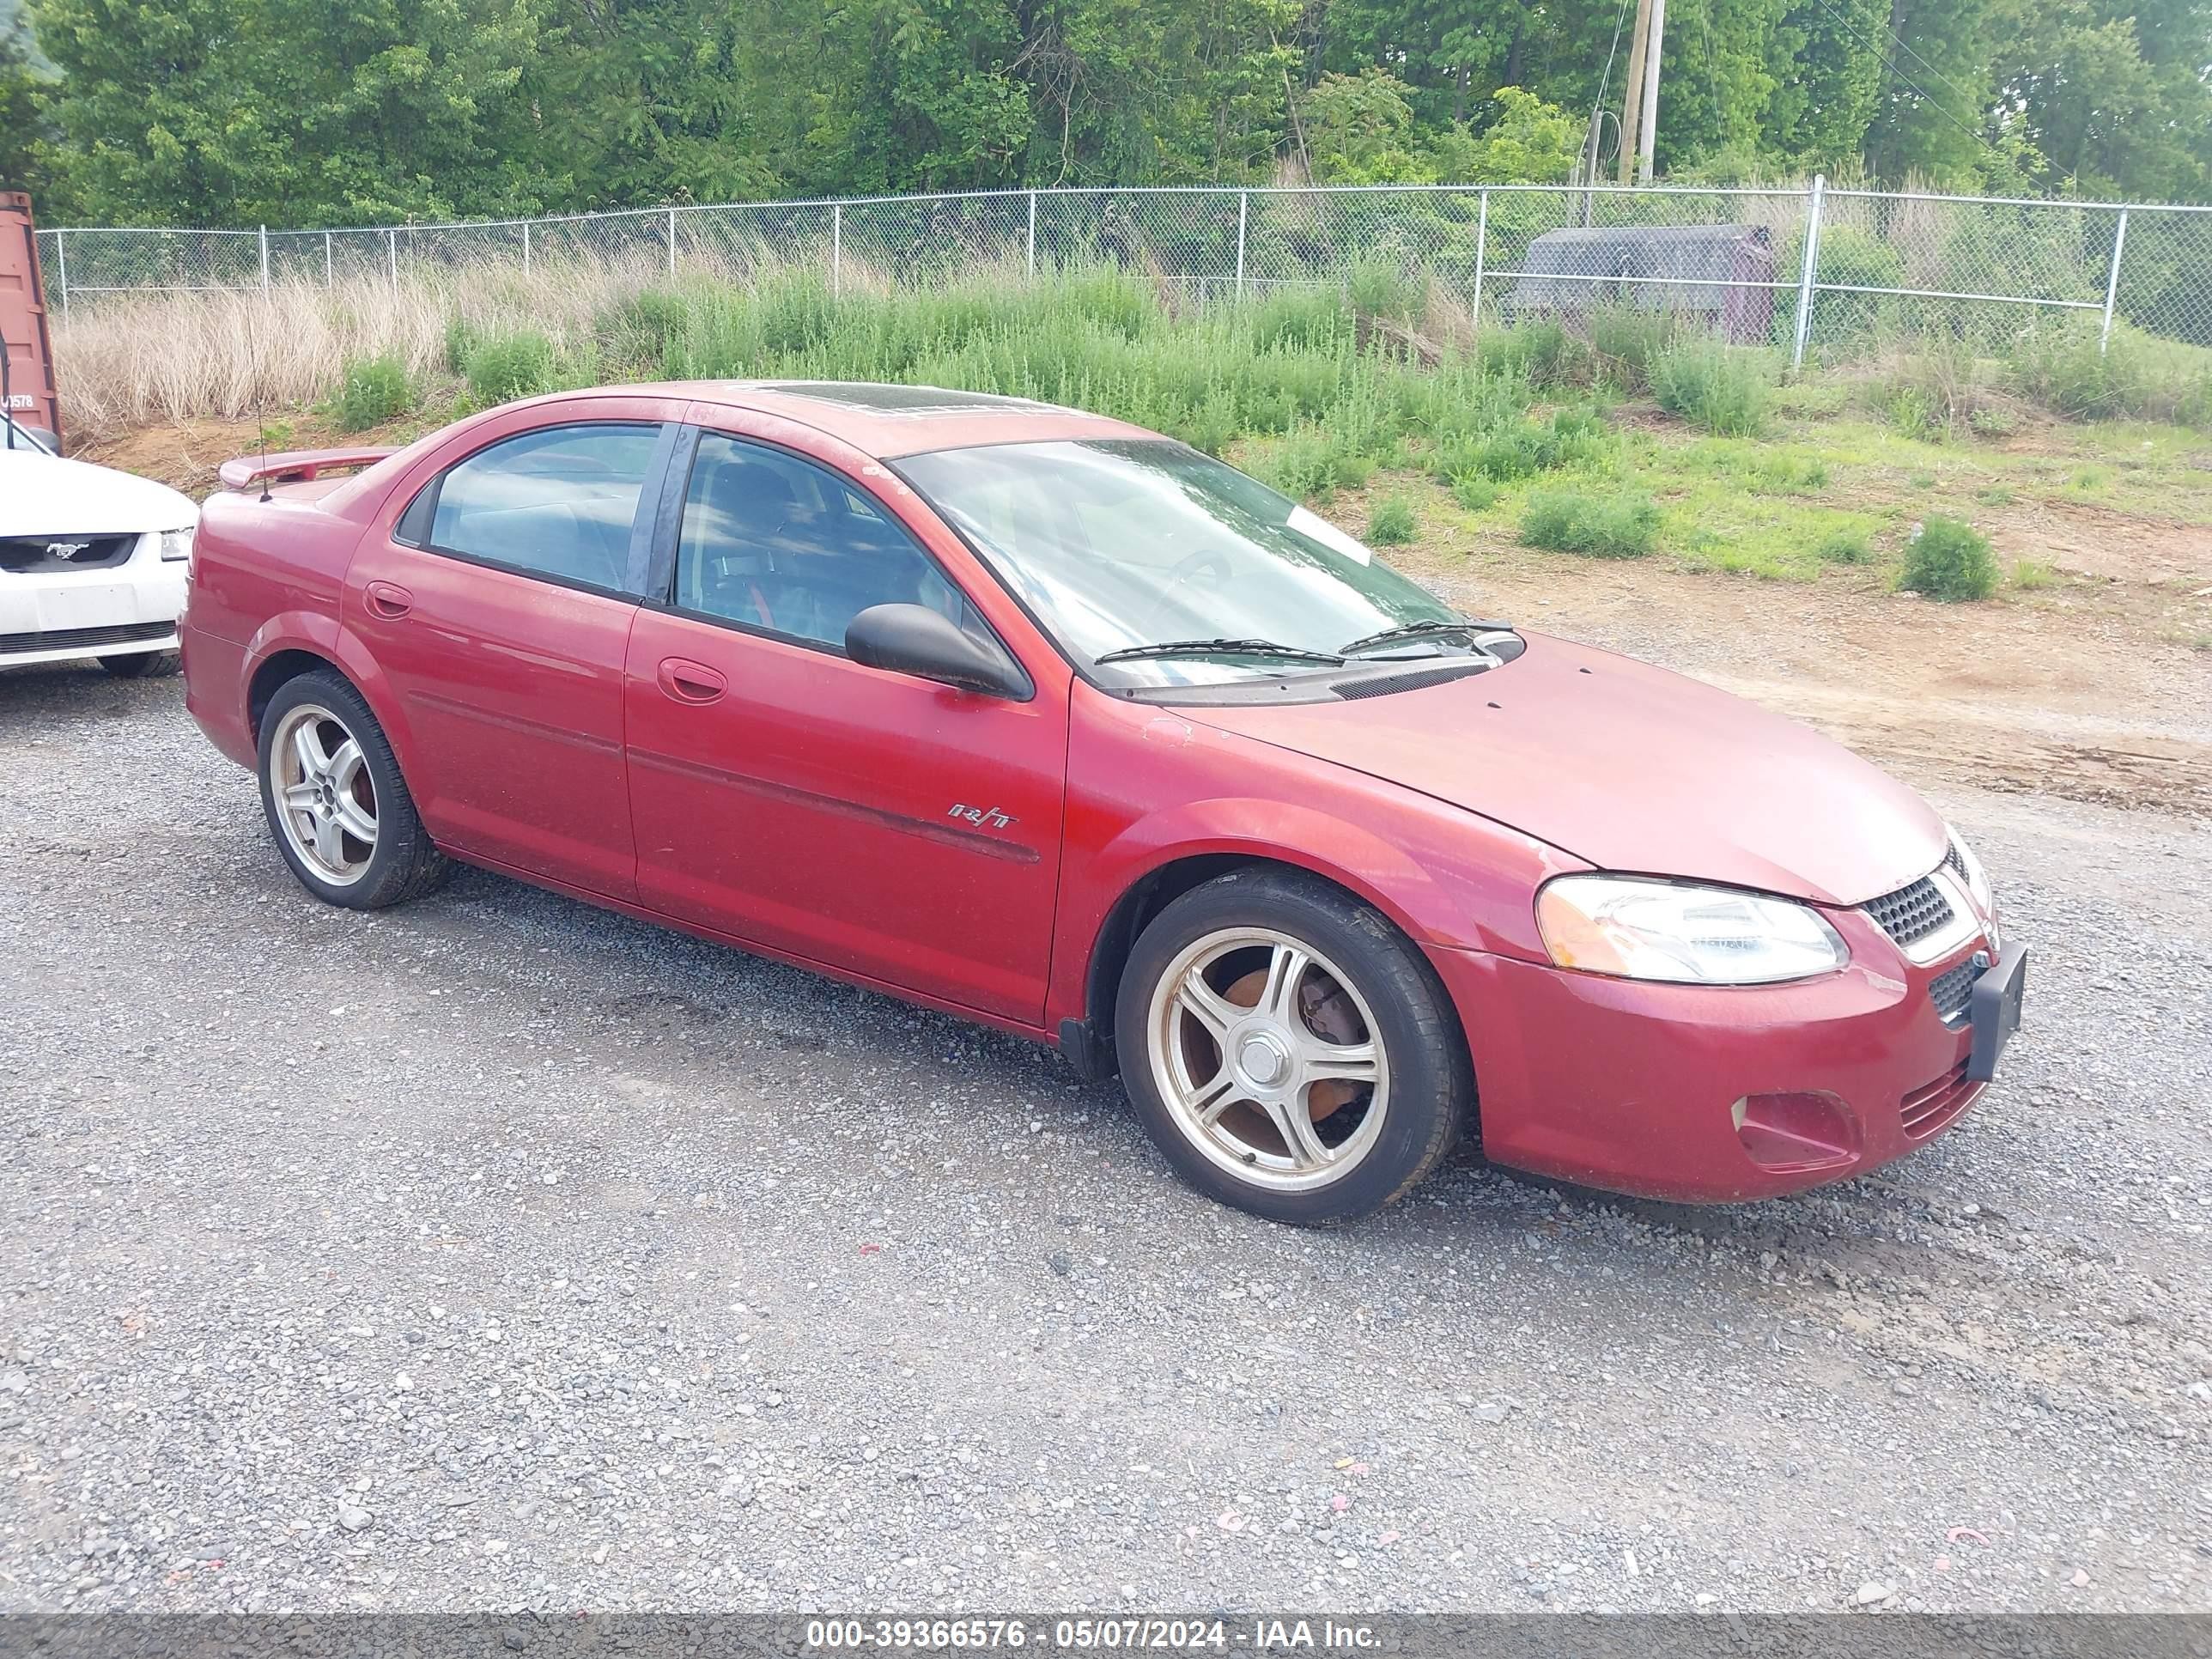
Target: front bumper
(131,606)
(1707,1094)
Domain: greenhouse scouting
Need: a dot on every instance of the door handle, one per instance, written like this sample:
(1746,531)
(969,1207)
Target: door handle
(686,681)
(389,600)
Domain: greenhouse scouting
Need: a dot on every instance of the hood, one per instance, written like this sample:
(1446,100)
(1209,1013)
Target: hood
(1629,768)
(42,495)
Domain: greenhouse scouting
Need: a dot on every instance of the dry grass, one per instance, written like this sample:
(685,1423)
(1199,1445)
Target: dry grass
(133,360)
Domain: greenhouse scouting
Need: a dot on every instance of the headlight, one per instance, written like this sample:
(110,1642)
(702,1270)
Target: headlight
(1978,879)
(177,545)
(1639,929)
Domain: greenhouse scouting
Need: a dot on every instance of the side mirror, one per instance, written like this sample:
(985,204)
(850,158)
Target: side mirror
(913,639)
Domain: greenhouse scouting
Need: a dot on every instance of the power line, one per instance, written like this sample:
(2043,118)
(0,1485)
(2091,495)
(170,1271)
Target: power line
(1918,90)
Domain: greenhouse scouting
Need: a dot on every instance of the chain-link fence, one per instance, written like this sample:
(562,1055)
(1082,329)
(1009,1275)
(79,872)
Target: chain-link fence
(1807,269)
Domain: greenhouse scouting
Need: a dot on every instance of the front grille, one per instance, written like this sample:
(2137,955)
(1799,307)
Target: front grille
(1932,1105)
(1951,991)
(85,639)
(35,556)
(1912,912)
(1956,860)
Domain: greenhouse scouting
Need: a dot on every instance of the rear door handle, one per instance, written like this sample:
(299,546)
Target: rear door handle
(686,681)
(389,600)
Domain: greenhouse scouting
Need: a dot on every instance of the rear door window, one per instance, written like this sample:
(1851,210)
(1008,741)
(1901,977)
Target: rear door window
(560,502)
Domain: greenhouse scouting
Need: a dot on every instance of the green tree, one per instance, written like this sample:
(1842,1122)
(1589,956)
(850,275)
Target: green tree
(2110,97)
(292,111)
(23,113)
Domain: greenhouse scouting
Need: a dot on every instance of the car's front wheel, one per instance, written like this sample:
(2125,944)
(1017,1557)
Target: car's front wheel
(1289,1049)
(336,802)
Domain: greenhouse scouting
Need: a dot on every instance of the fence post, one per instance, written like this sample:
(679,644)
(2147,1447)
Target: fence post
(264,259)
(1243,208)
(836,249)
(392,237)
(61,267)
(2112,281)
(329,265)
(1481,252)
(1811,264)
(671,245)
(526,247)
(1032,233)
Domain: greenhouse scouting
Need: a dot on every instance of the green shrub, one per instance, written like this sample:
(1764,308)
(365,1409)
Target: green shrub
(2062,367)
(1724,389)
(1379,288)
(1392,523)
(1605,527)
(500,368)
(1627,338)
(1543,354)
(1849,256)
(372,391)
(1474,492)
(1951,561)
(1843,547)
(1576,435)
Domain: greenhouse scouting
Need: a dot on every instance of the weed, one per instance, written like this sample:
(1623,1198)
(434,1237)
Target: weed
(501,368)
(1949,561)
(1994,495)
(371,391)
(1615,527)
(1724,389)
(2028,575)
(1474,492)
(1392,524)
(1845,547)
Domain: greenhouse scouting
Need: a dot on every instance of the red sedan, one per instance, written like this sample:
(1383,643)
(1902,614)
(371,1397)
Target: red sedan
(1052,723)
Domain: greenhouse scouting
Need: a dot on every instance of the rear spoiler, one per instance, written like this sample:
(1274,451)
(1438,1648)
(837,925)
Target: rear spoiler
(296,466)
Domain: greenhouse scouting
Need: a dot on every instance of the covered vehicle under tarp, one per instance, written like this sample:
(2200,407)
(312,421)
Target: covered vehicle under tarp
(1720,273)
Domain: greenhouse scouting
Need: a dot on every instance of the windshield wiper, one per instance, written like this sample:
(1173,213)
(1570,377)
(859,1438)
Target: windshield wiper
(1219,648)
(1430,629)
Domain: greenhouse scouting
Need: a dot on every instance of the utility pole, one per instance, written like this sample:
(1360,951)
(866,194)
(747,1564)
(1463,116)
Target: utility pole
(1631,103)
(1651,91)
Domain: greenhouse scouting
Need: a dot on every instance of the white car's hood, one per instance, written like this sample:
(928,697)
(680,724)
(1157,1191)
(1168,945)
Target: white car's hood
(41,496)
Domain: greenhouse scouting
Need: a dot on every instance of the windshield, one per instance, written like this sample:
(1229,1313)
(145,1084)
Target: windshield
(1118,544)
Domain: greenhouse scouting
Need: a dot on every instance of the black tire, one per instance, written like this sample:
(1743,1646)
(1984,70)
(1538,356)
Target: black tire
(1430,1080)
(144,665)
(403,864)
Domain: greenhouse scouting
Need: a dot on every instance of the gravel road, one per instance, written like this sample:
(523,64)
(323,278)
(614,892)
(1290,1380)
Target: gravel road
(498,1252)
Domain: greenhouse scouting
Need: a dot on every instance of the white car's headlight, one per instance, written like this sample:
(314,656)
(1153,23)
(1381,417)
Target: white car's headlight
(177,545)
(1638,928)
(1978,879)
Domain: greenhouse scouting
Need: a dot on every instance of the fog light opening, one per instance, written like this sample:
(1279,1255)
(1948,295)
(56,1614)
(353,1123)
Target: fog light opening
(1788,1133)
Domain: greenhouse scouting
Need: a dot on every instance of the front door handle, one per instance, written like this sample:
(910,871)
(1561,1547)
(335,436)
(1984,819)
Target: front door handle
(389,600)
(686,681)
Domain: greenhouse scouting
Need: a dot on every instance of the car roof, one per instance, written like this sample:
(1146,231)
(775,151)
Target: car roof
(886,422)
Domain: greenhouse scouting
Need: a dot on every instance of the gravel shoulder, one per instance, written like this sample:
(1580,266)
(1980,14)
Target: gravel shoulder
(496,1251)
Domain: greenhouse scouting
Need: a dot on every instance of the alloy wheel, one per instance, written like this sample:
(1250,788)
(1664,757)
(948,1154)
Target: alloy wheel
(326,798)
(1267,1057)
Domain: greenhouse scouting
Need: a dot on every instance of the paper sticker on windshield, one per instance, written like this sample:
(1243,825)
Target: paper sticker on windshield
(1313,525)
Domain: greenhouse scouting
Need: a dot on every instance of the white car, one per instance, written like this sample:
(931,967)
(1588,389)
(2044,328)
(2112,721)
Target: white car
(92,563)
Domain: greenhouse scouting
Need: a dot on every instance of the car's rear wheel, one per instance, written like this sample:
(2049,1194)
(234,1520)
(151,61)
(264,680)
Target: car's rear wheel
(335,801)
(1289,1049)
(142,664)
